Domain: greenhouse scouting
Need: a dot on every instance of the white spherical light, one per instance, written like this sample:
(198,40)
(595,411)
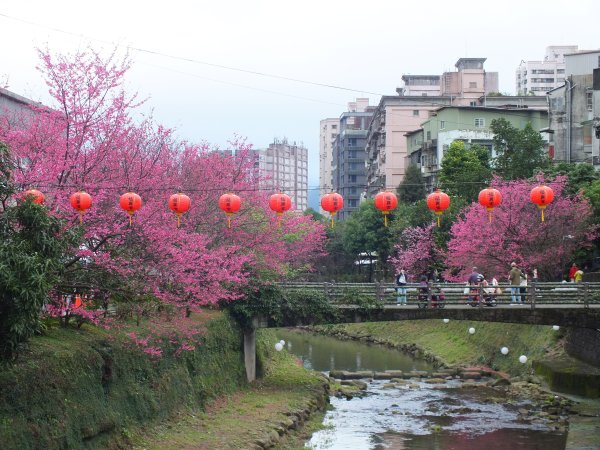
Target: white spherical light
(279,346)
(522,359)
(555,327)
(446,320)
(471,330)
(504,350)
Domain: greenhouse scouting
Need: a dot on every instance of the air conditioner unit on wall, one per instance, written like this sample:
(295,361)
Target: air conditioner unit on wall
(596,160)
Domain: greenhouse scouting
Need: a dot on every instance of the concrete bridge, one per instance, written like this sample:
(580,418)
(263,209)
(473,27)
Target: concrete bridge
(574,305)
(564,304)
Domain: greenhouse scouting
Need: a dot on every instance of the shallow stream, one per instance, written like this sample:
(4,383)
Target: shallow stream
(414,415)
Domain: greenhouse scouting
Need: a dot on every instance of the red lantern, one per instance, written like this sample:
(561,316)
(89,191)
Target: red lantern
(230,203)
(80,201)
(438,202)
(332,203)
(490,198)
(38,197)
(280,203)
(78,301)
(385,202)
(179,203)
(542,196)
(130,202)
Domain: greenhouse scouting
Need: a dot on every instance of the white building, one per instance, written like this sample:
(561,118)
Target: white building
(285,166)
(328,131)
(539,77)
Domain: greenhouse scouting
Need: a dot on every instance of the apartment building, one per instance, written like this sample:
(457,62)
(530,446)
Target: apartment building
(349,172)
(539,77)
(575,110)
(285,167)
(386,145)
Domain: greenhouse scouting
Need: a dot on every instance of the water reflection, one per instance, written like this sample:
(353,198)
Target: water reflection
(415,415)
(325,354)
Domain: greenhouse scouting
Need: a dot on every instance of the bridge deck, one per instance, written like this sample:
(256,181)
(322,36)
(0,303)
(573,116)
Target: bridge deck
(565,304)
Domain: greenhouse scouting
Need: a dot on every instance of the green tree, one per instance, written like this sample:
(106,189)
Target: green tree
(465,171)
(412,187)
(520,152)
(30,263)
(365,233)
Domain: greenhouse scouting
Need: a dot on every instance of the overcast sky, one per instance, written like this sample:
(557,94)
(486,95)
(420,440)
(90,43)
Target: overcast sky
(358,45)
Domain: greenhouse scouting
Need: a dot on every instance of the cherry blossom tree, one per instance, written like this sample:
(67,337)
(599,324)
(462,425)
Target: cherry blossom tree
(94,138)
(516,233)
(417,252)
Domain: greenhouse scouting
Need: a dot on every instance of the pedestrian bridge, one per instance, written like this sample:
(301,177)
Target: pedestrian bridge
(563,304)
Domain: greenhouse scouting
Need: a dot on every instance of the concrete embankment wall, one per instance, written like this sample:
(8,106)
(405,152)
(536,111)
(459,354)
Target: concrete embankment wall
(584,344)
(85,388)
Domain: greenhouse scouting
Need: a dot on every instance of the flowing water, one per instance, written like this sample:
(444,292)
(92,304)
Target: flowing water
(416,415)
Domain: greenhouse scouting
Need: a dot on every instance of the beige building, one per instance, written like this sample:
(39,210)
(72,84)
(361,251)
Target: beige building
(397,115)
(285,166)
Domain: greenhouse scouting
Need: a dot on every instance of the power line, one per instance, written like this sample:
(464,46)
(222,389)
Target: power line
(195,61)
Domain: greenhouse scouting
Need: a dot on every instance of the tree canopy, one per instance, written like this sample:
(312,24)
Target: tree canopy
(412,188)
(465,170)
(520,152)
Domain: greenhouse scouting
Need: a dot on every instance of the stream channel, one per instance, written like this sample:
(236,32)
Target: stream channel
(414,416)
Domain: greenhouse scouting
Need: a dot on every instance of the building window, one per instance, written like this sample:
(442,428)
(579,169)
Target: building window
(428,135)
(472,84)
(589,100)
(352,203)
(415,112)
(334,127)
(352,178)
(472,103)
(479,123)
(442,124)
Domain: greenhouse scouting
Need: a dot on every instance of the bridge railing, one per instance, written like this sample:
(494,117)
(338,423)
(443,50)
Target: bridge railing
(535,293)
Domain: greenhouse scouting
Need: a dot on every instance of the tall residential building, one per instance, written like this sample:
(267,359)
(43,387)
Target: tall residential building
(285,167)
(397,115)
(575,110)
(539,77)
(328,131)
(349,172)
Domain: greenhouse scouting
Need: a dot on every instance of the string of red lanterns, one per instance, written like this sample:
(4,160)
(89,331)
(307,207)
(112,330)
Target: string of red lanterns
(438,202)
(542,196)
(230,203)
(332,203)
(81,201)
(385,202)
(490,198)
(179,203)
(280,203)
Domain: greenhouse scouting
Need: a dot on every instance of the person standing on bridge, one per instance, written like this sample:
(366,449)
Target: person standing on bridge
(514,277)
(572,271)
(401,280)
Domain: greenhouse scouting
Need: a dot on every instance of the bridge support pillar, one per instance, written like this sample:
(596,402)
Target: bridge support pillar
(250,351)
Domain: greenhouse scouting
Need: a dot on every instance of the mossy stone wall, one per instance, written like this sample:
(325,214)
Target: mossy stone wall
(83,389)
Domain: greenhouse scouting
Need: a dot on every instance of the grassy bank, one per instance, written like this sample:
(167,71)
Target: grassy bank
(88,388)
(252,417)
(451,344)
